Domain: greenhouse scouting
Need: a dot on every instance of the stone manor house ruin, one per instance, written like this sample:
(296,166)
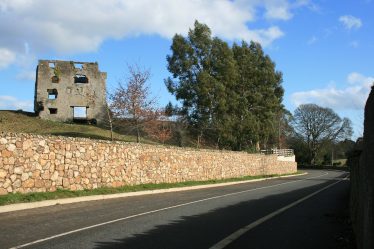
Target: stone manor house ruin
(70,91)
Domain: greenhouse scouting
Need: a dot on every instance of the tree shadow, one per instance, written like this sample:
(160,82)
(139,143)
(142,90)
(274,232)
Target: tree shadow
(80,134)
(205,230)
(25,113)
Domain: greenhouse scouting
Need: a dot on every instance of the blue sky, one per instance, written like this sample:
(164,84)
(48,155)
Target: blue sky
(325,48)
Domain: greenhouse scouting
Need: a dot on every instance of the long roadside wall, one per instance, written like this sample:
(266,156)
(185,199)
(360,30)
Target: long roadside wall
(361,163)
(33,163)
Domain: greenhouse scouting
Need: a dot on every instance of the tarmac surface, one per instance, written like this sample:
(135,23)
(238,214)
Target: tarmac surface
(304,211)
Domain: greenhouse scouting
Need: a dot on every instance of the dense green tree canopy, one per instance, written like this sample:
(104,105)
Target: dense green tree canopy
(229,95)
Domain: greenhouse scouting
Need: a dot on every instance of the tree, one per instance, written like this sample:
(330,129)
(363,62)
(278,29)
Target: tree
(259,93)
(109,115)
(316,125)
(131,100)
(230,95)
(202,67)
(159,127)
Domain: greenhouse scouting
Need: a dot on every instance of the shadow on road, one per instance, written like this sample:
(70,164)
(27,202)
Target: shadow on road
(328,219)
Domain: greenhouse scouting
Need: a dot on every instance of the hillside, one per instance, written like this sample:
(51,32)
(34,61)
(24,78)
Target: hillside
(27,122)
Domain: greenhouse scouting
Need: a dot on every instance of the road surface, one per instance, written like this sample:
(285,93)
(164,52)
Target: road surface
(296,212)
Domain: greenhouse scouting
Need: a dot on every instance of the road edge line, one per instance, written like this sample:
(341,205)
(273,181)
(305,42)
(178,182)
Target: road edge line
(158,210)
(235,235)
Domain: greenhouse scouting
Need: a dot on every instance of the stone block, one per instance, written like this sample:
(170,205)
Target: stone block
(6,153)
(46,175)
(3,191)
(3,173)
(27,144)
(68,154)
(65,182)
(17,183)
(39,183)
(30,183)
(18,170)
(11,147)
(13,177)
(25,176)
(3,141)
(54,176)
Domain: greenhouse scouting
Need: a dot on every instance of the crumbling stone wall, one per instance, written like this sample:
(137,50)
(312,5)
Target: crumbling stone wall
(32,163)
(64,86)
(361,163)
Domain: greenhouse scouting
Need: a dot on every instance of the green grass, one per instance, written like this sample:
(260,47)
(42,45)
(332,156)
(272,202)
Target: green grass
(340,162)
(27,122)
(60,193)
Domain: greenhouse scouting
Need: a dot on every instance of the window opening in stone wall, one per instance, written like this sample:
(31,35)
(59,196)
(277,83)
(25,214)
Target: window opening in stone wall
(40,106)
(52,93)
(52,110)
(51,64)
(55,79)
(79,112)
(80,78)
(78,65)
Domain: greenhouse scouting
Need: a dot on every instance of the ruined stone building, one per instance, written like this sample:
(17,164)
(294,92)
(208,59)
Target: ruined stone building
(70,91)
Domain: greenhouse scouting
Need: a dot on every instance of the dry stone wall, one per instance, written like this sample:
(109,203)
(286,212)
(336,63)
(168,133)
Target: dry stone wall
(33,163)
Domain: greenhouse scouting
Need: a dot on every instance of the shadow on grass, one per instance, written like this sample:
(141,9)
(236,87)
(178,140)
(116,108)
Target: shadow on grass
(28,114)
(80,134)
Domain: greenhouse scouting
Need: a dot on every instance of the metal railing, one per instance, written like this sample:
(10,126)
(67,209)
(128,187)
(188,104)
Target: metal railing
(279,152)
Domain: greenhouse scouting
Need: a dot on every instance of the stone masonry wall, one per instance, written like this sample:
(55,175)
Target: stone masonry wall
(32,163)
(361,162)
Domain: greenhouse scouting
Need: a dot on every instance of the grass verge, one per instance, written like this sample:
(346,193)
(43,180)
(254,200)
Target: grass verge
(61,193)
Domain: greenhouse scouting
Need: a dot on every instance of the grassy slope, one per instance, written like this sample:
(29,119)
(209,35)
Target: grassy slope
(27,122)
(24,122)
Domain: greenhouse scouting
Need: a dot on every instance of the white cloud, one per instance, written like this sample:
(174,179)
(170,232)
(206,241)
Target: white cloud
(7,57)
(354,44)
(352,97)
(350,22)
(359,79)
(278,9)
(264,36)
(82,26)
(12,103)
(312,40)
(26,75)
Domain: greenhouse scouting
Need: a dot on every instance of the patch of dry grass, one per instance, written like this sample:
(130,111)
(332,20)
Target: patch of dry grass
(27,122)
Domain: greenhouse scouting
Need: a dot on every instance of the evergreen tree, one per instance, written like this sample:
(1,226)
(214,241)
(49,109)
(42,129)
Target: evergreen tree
(260,95)
(202,67)
(231,96)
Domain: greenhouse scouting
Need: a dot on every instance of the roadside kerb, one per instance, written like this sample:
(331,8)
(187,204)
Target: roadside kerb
(46,203)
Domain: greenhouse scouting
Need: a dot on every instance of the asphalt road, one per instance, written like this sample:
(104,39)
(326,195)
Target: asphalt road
(297,212)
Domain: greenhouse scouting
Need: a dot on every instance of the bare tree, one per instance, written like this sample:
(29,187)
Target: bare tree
(159,127)
(317,125)
(131,100)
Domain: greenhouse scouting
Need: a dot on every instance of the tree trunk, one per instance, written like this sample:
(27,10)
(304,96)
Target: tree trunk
(137,135)
(199,139)
(137,131)
(257,146)
(110,122)
(313,157)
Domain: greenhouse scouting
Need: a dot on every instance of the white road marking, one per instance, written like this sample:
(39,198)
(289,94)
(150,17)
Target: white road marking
(234,236)
(46,203)
(157,210)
